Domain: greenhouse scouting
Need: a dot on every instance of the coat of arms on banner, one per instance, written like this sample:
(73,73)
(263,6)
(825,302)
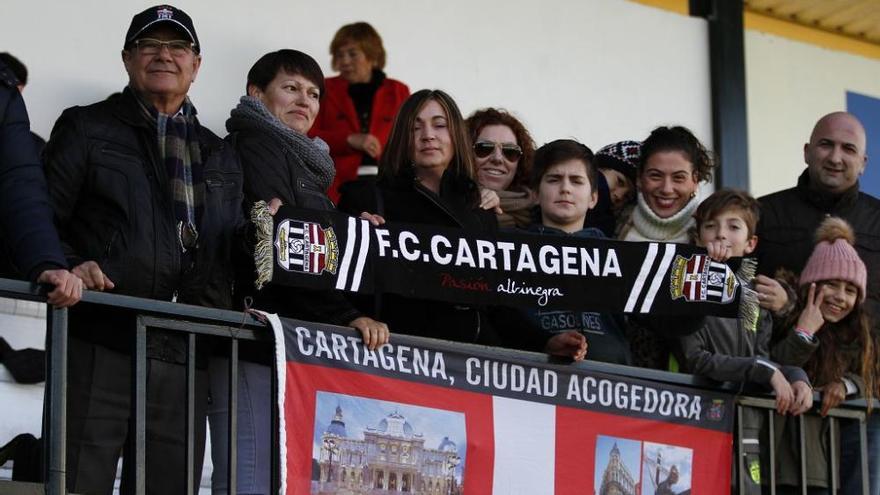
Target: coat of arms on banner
(307,248)
(716,410)
(698,278)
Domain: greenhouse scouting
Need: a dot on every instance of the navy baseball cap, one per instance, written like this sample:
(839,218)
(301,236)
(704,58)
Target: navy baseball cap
(162,14)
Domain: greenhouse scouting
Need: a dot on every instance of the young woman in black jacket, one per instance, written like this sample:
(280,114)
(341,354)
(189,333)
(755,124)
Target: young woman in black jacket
(426,176)
(268,129)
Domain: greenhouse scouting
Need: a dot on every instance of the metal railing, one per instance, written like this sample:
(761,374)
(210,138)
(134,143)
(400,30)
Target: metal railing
(193,320)
(232,327)
(768,406)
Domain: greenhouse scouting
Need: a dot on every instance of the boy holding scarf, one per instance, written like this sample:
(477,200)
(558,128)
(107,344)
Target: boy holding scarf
(565,179)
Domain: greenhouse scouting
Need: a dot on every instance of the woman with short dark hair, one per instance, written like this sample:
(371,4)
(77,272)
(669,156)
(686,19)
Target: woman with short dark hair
(268,130)
(359,105)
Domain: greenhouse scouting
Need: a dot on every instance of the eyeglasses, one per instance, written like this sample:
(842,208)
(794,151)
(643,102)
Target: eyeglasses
(150,46)
(510,152)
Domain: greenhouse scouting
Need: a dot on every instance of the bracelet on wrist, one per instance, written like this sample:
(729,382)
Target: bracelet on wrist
(805,334)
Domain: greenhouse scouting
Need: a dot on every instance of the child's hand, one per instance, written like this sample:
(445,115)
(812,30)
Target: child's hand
(771,295)
(832,395)
(718,250)
(569,344)
(811,319)
(783,391)
(803,398)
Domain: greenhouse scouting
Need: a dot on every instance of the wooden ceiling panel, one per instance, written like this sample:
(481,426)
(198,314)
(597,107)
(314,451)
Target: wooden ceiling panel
(859,19)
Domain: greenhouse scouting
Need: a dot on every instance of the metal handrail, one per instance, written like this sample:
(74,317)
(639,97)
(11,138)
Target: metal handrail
(198,320)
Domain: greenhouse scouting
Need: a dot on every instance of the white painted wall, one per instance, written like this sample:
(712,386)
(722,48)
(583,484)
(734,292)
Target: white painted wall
(596,70)
(790,85)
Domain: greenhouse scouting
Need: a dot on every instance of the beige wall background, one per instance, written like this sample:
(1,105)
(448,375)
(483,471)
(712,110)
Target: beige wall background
(596,70)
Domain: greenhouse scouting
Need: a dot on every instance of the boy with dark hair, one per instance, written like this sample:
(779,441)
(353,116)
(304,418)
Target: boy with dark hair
(565,178)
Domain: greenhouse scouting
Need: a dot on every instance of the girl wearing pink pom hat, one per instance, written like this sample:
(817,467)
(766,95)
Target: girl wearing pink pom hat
(829,335)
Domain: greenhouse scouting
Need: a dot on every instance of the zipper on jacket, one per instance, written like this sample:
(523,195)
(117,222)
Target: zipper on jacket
(432,197)
(163,210)
(479,326)
(109,246)
(740,337)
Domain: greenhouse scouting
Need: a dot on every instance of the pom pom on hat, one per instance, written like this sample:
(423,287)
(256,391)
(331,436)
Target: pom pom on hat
(835,258)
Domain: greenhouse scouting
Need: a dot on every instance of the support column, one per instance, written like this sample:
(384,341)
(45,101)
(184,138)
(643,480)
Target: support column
(728,84)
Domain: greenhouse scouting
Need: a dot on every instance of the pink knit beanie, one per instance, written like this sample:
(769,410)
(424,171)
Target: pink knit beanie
(835,258)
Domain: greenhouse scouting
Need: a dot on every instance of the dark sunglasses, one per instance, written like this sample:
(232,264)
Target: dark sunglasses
(510,152)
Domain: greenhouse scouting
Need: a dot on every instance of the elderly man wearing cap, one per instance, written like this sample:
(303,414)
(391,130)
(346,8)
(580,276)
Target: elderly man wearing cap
(147,203)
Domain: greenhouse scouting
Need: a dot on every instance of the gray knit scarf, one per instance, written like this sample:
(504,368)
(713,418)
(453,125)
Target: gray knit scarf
(251,113)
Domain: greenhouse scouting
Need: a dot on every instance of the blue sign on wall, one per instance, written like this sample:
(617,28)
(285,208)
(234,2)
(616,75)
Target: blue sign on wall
(867,109)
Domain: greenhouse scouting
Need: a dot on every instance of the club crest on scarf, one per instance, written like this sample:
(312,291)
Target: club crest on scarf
(698,278)
(306,248)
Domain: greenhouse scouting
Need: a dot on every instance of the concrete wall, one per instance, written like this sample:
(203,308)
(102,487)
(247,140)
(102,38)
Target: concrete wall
(596,70)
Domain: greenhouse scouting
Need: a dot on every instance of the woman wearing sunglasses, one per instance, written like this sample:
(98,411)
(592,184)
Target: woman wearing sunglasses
(503,150)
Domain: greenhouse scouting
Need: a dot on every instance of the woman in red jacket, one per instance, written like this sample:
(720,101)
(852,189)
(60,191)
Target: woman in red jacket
(359,105)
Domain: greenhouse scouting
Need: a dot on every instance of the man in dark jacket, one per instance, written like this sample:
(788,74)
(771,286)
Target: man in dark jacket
(835,158)
(147,202)
(28,240)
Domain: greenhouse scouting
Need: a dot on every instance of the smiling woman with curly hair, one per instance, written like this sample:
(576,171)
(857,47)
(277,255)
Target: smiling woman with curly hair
(503,151)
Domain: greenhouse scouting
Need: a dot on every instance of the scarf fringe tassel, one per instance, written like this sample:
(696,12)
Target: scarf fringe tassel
(262,219)
(749,310)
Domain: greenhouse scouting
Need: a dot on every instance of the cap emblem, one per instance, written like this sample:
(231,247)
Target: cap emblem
(164,13)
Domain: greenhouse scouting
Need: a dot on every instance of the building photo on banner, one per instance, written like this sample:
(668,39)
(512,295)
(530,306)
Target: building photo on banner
(440,420)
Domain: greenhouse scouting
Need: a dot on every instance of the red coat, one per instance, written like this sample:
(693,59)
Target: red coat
(338,118)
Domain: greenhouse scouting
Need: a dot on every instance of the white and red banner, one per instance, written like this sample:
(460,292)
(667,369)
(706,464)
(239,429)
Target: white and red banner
(425,416)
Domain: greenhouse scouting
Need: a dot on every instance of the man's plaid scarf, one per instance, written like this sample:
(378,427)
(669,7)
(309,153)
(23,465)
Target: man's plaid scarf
(179,150)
